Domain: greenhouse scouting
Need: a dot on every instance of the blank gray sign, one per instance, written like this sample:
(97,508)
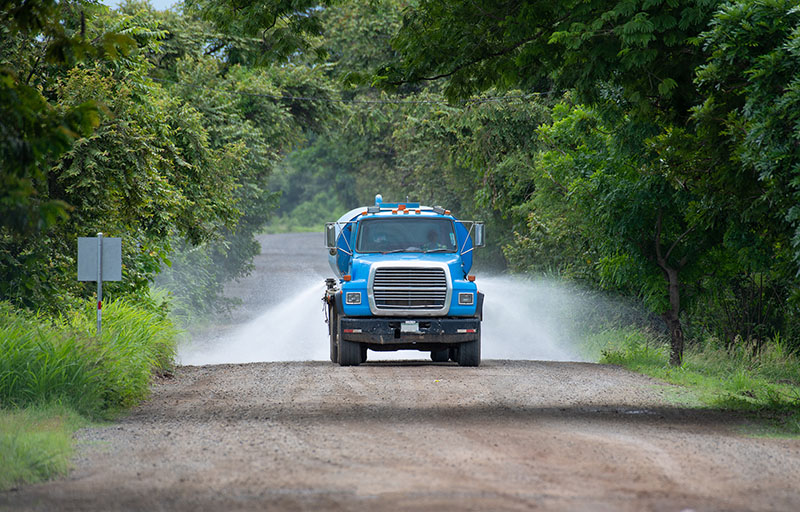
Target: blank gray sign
(87,259)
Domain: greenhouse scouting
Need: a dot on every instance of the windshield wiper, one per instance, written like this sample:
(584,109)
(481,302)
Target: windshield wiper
(393,251)
(438,250)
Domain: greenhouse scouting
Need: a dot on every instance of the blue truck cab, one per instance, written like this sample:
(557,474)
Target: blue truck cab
(403,282)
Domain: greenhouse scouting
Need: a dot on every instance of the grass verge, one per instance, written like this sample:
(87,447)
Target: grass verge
(46,360)
(765,383)
(36,443)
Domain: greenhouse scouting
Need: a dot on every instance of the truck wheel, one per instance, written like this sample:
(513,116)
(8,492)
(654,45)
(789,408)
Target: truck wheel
(333,324)
(453,354)
(440,356)
(349,351)
(469,353)
(363,353)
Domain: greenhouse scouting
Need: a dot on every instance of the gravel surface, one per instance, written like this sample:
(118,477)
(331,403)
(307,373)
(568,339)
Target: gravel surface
(411,435)
(509,435)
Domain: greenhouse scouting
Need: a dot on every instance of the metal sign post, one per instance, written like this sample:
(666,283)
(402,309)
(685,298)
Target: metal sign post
(99,259)
(99,283)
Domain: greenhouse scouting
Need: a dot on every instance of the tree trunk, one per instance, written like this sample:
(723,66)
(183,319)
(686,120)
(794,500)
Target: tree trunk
(676,339)
(672,318)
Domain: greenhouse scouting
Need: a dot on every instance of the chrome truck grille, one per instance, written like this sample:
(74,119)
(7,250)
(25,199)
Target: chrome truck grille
(409,290)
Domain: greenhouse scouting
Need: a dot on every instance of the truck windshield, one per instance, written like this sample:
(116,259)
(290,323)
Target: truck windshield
(406,235)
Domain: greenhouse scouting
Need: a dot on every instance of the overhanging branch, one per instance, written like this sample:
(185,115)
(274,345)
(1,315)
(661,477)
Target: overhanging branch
(499,53)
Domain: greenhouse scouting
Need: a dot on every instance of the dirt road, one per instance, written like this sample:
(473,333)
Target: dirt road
(419,436)
(401,435)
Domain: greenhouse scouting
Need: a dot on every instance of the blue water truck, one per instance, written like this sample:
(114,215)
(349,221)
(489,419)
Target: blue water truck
(403,282)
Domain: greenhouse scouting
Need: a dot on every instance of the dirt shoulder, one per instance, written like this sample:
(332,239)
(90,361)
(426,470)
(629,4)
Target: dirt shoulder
(419,436)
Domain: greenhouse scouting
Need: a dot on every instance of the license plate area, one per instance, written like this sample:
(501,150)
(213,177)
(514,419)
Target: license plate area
(409,326)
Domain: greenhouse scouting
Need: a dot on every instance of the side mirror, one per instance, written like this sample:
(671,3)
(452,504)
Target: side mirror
(330,235)
(479,239)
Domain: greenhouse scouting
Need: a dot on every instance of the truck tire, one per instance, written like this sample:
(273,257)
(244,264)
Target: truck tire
(363,353)
(333,332)
(469,353)
(440,356)
(349,351)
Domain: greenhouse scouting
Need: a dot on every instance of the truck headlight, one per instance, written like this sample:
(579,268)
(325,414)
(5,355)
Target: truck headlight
(353,298)
(466,299)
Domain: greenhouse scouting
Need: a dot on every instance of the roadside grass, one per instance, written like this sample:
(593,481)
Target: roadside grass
(42,362)
(764,383)
(36,443)
(45,361)
(135,344)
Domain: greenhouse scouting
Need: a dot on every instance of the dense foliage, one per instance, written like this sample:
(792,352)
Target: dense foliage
(147,125)
(649,147)
(670,163)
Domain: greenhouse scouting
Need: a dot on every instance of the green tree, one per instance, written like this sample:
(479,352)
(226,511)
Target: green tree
(748,129)
(646,228)
(357,36)
(276,31)
(641,47)
(253,116)
(146,172)
(41,37)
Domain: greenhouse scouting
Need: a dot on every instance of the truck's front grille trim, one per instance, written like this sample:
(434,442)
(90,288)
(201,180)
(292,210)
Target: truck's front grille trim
(409,289)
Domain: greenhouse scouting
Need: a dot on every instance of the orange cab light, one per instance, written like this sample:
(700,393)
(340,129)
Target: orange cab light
(471,279)
(394,212)
(418,211)
(406,211)
(401,207)
(347,277)
(447,212)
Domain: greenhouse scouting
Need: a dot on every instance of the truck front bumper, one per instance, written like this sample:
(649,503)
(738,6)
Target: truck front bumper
(412,333)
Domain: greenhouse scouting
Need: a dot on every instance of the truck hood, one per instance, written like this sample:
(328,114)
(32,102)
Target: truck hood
(400,257)
(362,262)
